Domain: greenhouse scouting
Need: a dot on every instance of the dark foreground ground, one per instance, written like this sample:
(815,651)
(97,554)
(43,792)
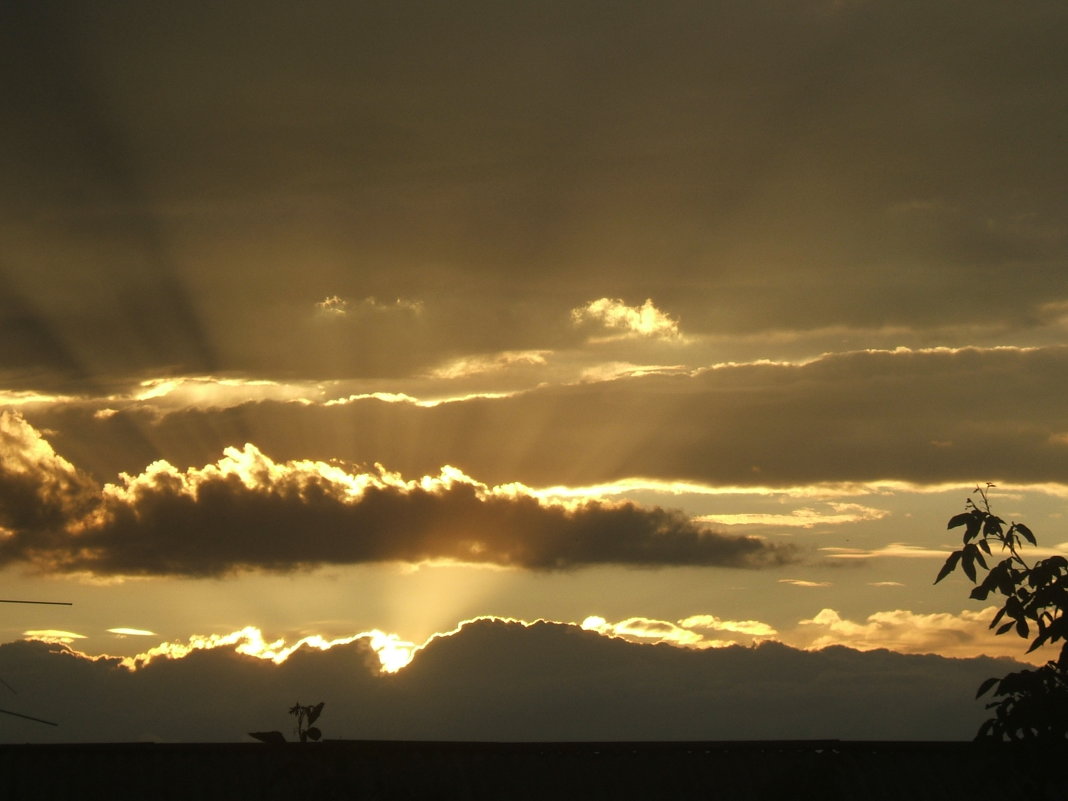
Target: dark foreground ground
(443,770)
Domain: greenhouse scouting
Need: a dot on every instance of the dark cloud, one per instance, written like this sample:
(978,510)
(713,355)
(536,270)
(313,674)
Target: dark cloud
(924,416)
(504,681)
(182,184)
(248,511)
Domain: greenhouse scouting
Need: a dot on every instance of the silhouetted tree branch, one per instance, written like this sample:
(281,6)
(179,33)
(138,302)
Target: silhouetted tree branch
(1033,704)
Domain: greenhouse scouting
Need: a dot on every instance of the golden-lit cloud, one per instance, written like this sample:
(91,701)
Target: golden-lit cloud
(898,550)
(53,635)
(805,583)
(690,632)
(25,397)
(335,305)
(401,397)
(166,394)
(393,652)
(806,517)
(965,634)
(754,627)
(479,365)
(128,632)
(612,371)
(248,511)
(613,315)
(641,629)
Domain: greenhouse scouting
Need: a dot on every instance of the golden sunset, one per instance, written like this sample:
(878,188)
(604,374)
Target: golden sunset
(529,371)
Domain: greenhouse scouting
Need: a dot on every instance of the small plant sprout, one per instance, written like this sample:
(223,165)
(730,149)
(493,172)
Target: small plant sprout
(306,717)
(305,730)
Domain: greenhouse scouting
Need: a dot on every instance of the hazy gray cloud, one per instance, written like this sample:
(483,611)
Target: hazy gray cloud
(248,511)
(178,200)
(503,681)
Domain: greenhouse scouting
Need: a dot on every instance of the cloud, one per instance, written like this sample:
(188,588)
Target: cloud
(40,490)
(963,634)
(900,550)
(53,636)
(753,627)
(806,517)
(497,680)
(614,315)
(844,419)
(642,629)
(805,583)
(755,226)
(689,632)
(337,306)
(481,364)
(841,423)
(248,511)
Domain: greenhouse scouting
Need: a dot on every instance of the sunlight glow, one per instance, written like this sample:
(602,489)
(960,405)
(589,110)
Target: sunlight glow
(480,365)
(393,652)
(53,635)
(612,313)
(401,397)
(806,517)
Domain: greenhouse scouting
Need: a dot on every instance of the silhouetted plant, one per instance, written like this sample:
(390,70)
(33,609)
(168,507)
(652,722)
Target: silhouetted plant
(306,717)
(1033,704)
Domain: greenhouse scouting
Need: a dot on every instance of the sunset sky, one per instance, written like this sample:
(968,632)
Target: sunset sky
(688,321)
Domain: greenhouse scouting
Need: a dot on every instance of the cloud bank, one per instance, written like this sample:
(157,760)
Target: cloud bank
(248,511)
(496,680)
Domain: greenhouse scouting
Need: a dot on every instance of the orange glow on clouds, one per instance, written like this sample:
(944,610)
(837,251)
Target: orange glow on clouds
(952,635)
(393,652)
(53,636)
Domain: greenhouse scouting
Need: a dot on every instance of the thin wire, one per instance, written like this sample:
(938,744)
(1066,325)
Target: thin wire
(28,717)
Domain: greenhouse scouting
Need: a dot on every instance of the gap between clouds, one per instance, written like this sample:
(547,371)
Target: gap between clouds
(247,511)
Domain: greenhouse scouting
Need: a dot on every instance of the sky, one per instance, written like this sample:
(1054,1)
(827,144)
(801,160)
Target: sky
(374,333)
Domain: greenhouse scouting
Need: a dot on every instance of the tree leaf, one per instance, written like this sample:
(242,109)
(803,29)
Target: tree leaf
(1026,532)
(959,520)
(949,566)
(968,564)
(985,686)
(314,712)
(1005,627)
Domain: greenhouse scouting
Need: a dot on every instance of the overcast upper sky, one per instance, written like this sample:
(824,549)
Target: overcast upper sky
(696,320)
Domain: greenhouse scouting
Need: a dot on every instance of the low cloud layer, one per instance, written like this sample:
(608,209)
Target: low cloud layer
(496,680)
(248,511)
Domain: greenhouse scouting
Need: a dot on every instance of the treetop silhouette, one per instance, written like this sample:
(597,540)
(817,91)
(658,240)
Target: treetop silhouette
(1031,704)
